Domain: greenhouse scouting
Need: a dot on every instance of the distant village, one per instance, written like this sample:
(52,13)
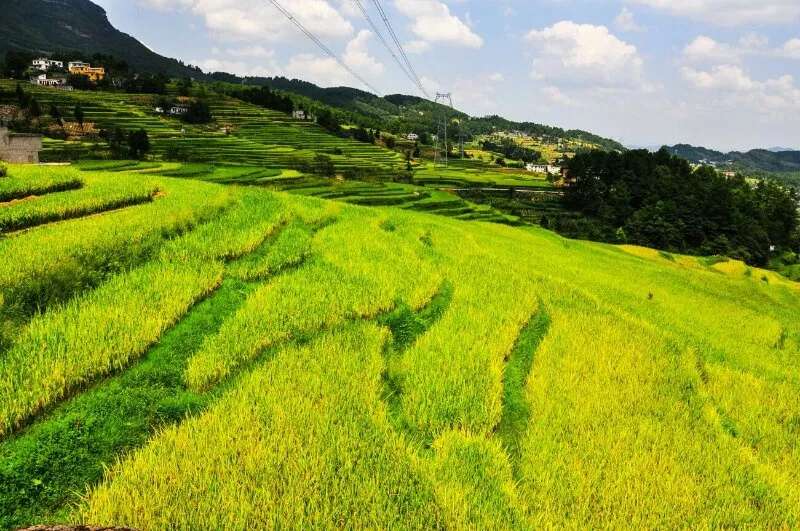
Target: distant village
(51,73)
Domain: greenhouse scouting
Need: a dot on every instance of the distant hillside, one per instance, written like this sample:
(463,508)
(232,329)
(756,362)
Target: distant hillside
(49,26)
(757,160)
(413,112)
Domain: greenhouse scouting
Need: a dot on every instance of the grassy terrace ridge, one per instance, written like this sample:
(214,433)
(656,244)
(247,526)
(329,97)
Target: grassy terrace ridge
(230,355)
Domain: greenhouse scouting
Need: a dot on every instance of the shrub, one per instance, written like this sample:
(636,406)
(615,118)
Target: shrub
(3,170)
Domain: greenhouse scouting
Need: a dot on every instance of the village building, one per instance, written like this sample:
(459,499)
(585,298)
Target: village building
(413,137)
(79,68)
(44,64)
(179,109)
(546,169)
(44,81)
(19,149)
(299,115)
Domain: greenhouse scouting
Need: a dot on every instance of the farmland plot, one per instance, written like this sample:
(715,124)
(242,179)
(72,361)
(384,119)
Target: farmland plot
(392,369)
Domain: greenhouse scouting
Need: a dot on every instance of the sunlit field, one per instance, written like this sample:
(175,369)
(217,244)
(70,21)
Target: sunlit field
(177,353)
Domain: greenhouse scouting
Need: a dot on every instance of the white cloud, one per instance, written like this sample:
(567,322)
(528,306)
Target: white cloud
(357,56)
(326,71)
(707,49)
(626,21)
(257,19)
(584,55)
(792,49)
(736,87)
(497,77)
(433,22)
(730,12)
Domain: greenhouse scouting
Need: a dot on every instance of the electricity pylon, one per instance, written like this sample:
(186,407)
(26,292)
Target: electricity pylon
(441,129)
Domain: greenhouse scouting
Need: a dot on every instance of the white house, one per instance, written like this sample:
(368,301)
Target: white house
(546,169)
(299,115)
(413,137)
(78,64)
(44,64)
(44,81)
(179,109)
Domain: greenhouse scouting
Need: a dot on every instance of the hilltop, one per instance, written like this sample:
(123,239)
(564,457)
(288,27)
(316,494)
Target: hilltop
(756,160)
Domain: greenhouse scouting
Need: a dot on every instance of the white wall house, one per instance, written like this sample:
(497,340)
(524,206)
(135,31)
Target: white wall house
(44,81)
(413,137)
(299,115)
(44,64)
(545,169)
(78,64)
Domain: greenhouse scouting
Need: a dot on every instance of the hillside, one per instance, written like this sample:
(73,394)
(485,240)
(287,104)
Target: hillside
(757,160)
(182,354)
(49,26)
(411,113)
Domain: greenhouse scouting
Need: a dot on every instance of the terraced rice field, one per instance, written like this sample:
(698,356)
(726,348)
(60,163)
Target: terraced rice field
(259,137)
(236,357)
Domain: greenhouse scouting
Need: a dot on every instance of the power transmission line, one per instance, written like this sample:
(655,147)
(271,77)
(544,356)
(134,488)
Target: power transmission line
(403,54)
(382,38)
(322,46)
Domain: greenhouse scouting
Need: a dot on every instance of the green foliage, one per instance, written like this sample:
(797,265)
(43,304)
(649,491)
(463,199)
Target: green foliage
(661,202)
(198,113)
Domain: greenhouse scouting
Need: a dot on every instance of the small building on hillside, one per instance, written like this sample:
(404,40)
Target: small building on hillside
(179,109)
(729,174)
(545,169)
(19,149)
(44,64)
(44,81)
(413,137)
(79,68)
(299,115)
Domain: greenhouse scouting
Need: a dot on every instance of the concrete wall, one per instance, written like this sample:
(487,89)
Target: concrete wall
(19,149)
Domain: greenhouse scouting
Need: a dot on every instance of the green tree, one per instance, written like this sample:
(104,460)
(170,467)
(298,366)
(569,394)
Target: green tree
(55,113)
(198,113)
(78,114)
(138,144)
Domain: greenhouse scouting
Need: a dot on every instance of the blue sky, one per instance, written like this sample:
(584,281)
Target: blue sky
(719,73)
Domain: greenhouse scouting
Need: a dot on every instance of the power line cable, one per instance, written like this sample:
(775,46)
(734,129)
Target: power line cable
(403,54)
(383,40)
(322,46)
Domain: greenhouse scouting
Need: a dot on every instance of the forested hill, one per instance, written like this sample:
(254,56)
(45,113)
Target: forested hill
(757,160)
(412,111)
(50,26)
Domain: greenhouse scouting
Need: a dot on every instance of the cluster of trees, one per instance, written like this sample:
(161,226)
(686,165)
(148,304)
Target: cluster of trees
(127,144)
(32,115)
(264,97)
(512,150)
(658,200)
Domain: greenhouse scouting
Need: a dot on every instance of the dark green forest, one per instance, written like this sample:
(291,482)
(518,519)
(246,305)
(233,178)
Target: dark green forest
(658,200)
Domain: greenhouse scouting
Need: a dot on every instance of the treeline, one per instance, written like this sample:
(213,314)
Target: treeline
(264,97)
(658,200)
(511,150)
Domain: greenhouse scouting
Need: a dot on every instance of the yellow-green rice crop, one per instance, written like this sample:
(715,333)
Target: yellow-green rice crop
(97,333)
(301,442)
(23,181)
(340,283)
(100,193)
(661,392)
